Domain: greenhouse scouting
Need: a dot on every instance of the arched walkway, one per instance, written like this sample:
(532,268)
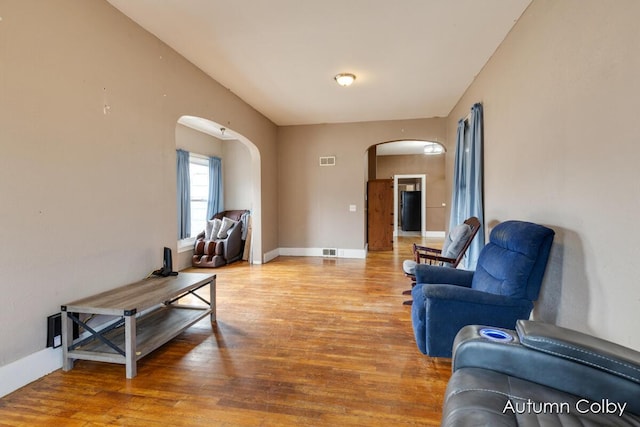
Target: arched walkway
(253,175)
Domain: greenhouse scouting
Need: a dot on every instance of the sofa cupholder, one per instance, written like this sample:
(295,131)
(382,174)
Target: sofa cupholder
(495,335)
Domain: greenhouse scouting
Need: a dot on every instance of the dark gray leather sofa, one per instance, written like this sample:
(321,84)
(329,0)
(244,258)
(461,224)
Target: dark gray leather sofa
(540,375)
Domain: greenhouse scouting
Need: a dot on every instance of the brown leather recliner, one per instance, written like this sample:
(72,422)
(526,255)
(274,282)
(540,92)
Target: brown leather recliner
(217,252)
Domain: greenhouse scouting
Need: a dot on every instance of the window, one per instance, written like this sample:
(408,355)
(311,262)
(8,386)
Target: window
(199,193)
(199,178)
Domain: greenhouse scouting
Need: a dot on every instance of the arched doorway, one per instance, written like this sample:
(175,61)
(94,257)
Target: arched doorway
(413,166)
(244,170)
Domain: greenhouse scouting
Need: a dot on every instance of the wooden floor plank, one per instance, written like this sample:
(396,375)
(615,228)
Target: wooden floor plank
(300,341)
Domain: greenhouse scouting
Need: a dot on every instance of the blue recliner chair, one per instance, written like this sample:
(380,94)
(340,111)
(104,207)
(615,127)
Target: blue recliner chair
(500,291)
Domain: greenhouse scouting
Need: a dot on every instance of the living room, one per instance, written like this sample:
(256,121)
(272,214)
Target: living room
(89,109)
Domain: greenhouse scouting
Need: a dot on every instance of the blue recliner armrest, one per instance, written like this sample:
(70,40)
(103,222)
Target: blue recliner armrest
(426,273)
(459,294)
(439,311)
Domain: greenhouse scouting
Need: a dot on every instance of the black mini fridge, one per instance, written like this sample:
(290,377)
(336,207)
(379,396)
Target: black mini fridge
(411,209)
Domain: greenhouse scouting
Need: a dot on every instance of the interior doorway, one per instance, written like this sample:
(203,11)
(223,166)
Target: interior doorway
(413,160)
(250,182)
(411,183)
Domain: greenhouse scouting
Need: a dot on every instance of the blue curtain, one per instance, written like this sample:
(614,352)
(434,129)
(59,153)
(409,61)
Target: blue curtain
(216,196)
(458,205)
(467,193)
(184,194)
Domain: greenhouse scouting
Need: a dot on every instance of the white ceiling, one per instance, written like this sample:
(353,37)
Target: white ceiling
(397,148)
(412,58)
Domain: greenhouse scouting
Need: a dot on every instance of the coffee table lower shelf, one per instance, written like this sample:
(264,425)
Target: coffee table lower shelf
(152,330)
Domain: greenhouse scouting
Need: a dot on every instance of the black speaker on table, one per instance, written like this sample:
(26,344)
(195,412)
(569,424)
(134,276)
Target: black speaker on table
(167,265)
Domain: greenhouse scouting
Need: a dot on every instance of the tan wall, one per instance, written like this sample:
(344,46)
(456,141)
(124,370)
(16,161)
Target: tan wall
(431,166)
(313,200)
(238,189)
(89,193)
(560,99)
(198,142)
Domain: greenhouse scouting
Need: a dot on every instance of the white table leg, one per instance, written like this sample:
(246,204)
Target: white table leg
(66,326)
(130,345)
(212,298)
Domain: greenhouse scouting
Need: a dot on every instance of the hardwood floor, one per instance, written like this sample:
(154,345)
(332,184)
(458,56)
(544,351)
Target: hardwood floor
(299,342)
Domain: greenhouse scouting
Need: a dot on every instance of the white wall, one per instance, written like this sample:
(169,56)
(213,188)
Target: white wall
(560,99)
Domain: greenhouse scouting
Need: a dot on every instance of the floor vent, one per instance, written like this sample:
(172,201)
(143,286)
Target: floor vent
(328,161)
(329,252)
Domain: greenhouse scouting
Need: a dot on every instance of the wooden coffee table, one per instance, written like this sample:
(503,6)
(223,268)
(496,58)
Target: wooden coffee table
(147,314)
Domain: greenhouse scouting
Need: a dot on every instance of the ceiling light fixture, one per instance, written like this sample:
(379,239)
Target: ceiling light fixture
(345,79)
(433,148)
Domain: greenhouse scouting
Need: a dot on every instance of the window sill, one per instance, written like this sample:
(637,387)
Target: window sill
(186,245)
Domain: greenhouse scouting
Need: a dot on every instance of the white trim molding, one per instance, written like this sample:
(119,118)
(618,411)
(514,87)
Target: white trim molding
(186,245)
(28,369)
(317,252)
(439,234)
(269,256)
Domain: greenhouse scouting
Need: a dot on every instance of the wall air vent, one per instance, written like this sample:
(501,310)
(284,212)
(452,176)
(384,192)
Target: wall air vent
(328,161)
(329,252)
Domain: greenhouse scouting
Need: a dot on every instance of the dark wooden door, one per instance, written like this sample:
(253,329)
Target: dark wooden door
(380,214)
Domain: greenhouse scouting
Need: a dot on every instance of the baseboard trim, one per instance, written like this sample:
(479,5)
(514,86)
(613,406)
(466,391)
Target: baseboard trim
(352,253)
(28,369)
(441,234)
(271,255)
(317,252)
